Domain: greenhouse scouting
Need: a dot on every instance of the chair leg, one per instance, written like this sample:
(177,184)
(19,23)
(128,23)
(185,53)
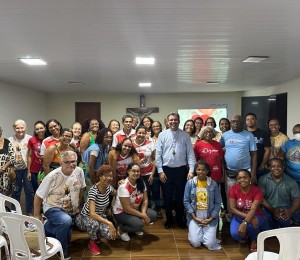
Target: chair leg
(61,253)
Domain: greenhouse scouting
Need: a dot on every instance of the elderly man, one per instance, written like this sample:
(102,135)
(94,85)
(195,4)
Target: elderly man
(175,160)
(60,191)
(281,196)
(126,132)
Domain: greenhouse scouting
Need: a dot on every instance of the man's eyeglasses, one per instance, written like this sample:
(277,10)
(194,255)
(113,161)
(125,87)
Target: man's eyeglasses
(69,162)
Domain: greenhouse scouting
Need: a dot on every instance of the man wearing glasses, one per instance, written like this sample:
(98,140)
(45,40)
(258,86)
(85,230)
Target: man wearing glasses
(60,191)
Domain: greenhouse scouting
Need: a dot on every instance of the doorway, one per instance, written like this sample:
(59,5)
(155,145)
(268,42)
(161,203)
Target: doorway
(86,111)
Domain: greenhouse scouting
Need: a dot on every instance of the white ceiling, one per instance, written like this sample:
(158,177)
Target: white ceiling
(193,41)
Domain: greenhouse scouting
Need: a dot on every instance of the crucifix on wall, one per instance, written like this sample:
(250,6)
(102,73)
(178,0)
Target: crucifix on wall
(142,111)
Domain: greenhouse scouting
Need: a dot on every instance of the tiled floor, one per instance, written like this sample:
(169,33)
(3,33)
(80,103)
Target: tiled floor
(160,243)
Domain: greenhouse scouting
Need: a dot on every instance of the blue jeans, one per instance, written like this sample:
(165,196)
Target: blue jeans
(278,223)
(155,192)
(250,231)
(59,226)
(21,179)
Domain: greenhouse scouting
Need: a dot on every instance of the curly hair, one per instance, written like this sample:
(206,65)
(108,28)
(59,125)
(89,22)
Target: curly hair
(103,170)
(205,164)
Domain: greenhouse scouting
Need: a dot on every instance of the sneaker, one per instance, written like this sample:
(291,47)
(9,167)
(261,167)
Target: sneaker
(30,227)
(124,236)
(139,233)
(95,250)
(67,257)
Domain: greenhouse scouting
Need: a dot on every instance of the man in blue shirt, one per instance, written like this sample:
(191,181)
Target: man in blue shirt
(240,151)
(175,160)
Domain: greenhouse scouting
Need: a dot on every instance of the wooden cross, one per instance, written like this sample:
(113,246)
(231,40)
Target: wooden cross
(142,111)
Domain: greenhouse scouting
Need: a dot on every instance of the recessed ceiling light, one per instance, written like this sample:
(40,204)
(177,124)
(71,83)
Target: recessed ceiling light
(33,61)
(145,84)
(255,59)
(145,60)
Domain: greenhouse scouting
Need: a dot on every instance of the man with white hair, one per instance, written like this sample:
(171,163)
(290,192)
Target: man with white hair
(61,192)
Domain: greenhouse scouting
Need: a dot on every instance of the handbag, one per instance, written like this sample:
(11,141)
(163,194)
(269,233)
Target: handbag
(11,173)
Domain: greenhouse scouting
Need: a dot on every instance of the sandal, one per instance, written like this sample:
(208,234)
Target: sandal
(253,246)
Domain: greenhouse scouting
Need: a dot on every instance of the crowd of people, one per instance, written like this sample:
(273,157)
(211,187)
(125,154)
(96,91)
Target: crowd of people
(111,181)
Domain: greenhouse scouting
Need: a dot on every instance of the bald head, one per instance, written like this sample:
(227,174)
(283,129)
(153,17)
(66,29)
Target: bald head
(236,123)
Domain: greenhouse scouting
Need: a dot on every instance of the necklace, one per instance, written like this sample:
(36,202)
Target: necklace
(175,135)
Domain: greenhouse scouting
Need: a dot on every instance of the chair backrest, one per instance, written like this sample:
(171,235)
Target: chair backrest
(289,241)
(4,199)
(14,225)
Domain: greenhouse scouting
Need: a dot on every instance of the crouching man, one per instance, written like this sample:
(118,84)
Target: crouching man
(60,191)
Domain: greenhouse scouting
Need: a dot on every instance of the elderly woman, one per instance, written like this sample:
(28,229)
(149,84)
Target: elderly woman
(19,143)
(202,202)
(131,207)
(190,128)
(7,157)
(211,151)
(52,157)
(93,214)
(34,160)
(244,201)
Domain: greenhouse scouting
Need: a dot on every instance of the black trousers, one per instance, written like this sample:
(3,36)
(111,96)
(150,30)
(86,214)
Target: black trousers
(175,185)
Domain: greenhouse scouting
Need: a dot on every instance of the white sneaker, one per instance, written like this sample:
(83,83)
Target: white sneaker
(30,227)
(139,233)
(123,236)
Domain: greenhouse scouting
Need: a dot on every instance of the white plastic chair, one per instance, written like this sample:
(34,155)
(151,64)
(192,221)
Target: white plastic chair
(4,243)
(289,241)
(4,199)
(19,249)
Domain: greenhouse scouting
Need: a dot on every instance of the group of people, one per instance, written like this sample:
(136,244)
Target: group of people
(108,180)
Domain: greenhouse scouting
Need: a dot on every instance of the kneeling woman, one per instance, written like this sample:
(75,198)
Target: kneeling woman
(131,207)
(202,201)
(92,217)
(244,201)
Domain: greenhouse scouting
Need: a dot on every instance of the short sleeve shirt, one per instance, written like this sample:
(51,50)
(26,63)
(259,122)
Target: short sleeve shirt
(61,191)
(245,201)
(130,191)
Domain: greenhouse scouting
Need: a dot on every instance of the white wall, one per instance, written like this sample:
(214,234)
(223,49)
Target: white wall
(19,103)
(62,107)
(292,88)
